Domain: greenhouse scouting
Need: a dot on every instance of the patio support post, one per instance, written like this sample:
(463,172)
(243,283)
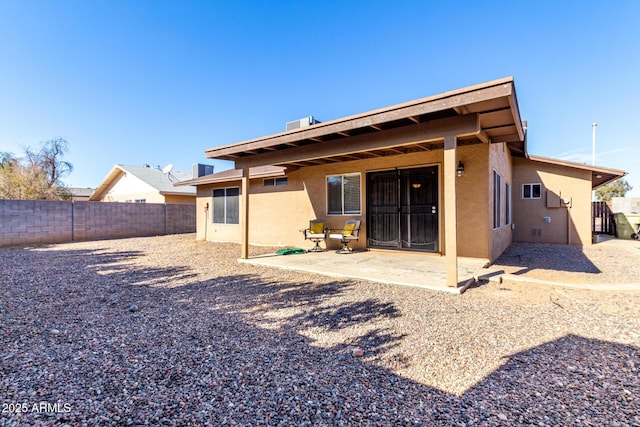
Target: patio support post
(450,208)
(244,214)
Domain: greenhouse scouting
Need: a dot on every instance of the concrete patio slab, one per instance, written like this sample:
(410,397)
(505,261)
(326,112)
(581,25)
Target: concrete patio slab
(425,271)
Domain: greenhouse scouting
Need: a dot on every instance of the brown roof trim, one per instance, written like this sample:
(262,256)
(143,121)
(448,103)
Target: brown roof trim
(235,175)
(456,99)
(576,165)
(600,175)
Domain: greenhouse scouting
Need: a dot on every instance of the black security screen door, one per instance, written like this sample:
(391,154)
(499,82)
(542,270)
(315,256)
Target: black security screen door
(402,209)
(383,214)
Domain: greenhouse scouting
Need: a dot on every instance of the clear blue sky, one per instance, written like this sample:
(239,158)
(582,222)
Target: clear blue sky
(158,82)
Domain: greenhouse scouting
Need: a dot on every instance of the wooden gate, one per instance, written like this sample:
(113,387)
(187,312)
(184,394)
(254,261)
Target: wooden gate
(602,219)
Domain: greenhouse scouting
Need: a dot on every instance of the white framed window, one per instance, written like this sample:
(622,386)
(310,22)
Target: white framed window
(532,191)
(274,182)
(497,199)
(343,194)
(226,205)
(507,204)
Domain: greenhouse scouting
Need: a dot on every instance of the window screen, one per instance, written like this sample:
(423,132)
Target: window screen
(343,194)
(226,205)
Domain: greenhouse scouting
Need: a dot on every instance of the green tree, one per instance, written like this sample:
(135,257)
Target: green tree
(38,175)
(617,188)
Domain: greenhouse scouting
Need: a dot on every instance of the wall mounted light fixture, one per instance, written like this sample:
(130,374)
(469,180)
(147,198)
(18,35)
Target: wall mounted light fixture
(460,168)
(416,185)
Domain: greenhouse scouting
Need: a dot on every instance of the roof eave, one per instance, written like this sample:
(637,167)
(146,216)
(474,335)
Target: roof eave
(600,175)
(209,179)
(452,99)
(104,186)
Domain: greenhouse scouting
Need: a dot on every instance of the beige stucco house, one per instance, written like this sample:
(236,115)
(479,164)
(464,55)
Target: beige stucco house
(448,174)
(144,184)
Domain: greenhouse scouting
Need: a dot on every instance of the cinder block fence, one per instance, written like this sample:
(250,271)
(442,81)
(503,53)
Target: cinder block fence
(44,221)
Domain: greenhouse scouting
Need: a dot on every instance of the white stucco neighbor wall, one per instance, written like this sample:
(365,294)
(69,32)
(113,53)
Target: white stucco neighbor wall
(129,184)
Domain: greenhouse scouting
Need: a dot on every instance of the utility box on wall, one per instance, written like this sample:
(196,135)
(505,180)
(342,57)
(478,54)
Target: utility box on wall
(553,200)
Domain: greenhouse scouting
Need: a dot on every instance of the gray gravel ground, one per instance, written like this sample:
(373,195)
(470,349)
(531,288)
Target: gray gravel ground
(610,261)
(214,342)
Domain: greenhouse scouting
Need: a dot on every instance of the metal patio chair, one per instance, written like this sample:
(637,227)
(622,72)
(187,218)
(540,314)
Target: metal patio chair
(317,232)
(347,234)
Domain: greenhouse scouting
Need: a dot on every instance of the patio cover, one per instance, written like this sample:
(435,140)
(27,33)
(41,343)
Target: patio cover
(489,111)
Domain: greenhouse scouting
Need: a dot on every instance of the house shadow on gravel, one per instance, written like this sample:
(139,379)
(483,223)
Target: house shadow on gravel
(542,256)
(569,381)
(194,355)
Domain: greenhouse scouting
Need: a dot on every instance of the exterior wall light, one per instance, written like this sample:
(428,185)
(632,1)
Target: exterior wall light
(416,185)
(460,168)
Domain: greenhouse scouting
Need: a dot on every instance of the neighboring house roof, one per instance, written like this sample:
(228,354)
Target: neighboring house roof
(235,175)
(81,192)
(599,174)
(160,181)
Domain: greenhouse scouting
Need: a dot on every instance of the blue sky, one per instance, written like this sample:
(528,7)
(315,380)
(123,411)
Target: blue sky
(158,82)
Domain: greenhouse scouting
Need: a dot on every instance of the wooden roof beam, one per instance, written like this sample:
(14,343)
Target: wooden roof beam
(499,130)
(482,136)
(374,153)
(351,157)
(506,138)
(414,119)
(396,150)
(376,127)
(433,131)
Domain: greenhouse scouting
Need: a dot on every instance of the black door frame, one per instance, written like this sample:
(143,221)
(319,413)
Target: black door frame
(398,210)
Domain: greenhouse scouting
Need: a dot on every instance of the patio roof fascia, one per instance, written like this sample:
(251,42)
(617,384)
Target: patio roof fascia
(456,100)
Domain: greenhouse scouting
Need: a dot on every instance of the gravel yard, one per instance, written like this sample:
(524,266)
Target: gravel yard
(214,342)
(611,261)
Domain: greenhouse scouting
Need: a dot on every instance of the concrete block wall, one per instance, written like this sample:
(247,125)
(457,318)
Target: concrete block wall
(35,221)
(42,221)
(115,220)
(180,218)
